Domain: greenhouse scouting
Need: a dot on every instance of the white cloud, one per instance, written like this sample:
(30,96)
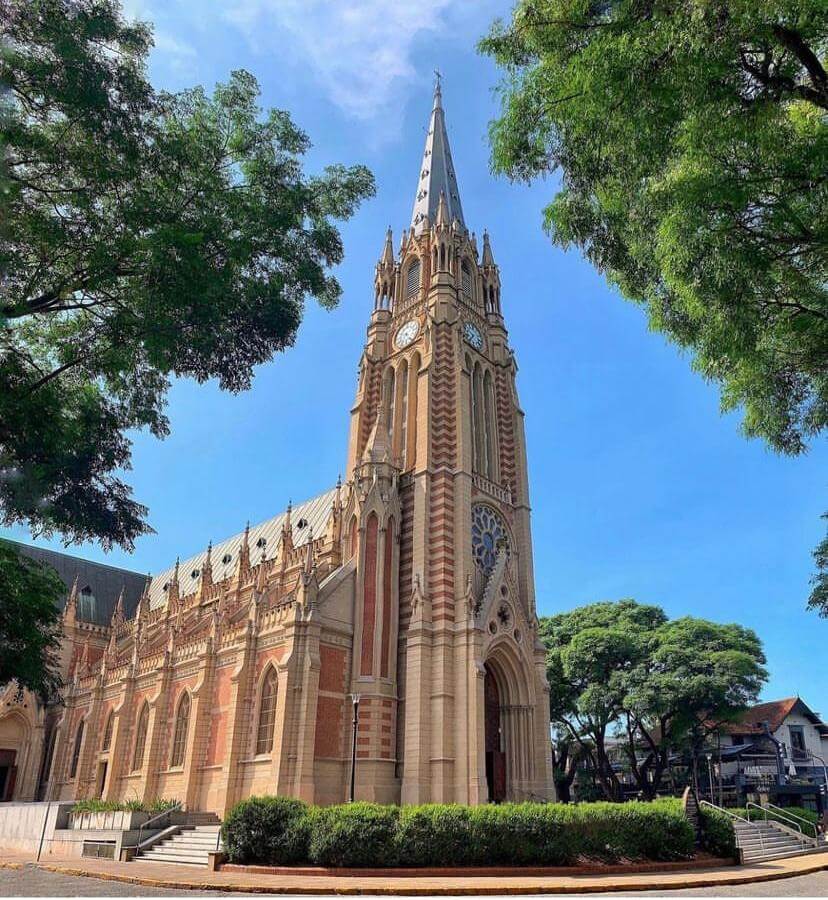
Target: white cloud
(361,52)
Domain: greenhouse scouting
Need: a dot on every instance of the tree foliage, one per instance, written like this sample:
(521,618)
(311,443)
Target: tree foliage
(693,148)
(144,236)
(819,581)
(29,623)
(625,670)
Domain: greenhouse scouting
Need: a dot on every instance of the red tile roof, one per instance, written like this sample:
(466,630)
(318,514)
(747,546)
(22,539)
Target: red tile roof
(774,712)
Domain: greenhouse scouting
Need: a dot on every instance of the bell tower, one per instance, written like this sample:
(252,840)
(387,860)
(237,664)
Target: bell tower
(446,651)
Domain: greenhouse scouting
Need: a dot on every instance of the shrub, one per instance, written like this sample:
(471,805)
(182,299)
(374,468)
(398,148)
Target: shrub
(368,834)
(717,834)
(271,830)
(353,835)
(524,834)
(435,835)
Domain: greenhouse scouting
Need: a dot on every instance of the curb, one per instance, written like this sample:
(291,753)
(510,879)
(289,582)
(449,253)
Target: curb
(502,890)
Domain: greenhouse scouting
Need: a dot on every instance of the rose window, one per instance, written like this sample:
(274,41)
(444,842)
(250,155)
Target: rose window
(488,536)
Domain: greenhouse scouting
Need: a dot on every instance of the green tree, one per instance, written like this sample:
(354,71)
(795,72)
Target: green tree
(589,652)
(29,623)
(692,143)
(143,236)
(695,674)
(819,582)
(624,670)
(693,147)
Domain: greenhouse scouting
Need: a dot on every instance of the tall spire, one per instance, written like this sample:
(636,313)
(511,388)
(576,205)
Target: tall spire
(437,171)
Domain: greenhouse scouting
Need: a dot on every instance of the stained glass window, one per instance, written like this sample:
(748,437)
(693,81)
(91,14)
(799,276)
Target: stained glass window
(488,535)
(107,735)
(140,738)
(267,714)
(182,722)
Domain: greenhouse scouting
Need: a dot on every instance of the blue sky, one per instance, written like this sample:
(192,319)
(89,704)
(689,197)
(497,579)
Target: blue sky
(639,487)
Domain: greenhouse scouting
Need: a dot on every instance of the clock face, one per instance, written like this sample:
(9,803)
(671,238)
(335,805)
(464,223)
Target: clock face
(472,334)
(406,334)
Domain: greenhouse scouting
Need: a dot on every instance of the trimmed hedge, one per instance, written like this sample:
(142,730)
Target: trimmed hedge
(354,835)
(717,834)
(271,830)
(368,834)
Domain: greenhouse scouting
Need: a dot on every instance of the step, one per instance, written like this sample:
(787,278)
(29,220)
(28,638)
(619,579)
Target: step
(188,845)
(192,859)
(205,839)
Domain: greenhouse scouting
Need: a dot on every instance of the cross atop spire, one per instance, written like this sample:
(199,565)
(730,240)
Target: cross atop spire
(437,170)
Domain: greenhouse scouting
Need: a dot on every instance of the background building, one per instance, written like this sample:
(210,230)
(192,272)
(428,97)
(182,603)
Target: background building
(27,727)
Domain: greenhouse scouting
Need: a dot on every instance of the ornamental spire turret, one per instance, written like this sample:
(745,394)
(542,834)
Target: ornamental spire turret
(488,259)
(70,611)
(118,613)
(436,173)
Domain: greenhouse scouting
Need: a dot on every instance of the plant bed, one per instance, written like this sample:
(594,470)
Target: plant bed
(104,815)
(276,831)
(584,867)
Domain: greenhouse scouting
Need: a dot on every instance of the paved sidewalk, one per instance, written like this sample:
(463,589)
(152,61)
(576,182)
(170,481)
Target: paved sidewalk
(159,875)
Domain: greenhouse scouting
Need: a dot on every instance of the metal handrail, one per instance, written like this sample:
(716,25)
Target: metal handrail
(164,812)
(733,815)
(784,814)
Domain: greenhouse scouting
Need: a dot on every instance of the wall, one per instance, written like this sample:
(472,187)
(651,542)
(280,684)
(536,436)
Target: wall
(21,825)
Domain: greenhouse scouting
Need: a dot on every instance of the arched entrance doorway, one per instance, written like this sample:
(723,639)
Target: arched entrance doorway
(14,732)
(495,755)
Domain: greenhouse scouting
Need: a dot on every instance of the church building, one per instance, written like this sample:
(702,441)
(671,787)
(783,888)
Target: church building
(403,597)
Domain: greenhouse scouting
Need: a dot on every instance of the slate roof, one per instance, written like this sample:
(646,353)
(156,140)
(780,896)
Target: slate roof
(436,172)
(312,515)
(98,584)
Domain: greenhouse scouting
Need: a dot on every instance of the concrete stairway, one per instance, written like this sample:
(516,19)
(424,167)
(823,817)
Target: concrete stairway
(189,846)
(766,840)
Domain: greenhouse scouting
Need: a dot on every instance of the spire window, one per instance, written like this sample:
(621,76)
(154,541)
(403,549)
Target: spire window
(412,281)
(466,279)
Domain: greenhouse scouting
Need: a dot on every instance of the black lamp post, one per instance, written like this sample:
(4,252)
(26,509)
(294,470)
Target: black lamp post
(355,723)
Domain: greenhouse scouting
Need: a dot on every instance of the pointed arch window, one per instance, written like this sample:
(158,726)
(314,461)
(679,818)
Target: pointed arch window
(388,400)
(412,279)
(140,738)
(489,425)
(267,713)
(76,749)
(106,741)
(182,724)
(402,429)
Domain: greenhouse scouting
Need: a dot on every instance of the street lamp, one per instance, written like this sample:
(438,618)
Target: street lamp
(710,776)
(355,723)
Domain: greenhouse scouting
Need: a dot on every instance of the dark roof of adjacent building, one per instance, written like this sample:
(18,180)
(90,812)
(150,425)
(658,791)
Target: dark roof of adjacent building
(98,584)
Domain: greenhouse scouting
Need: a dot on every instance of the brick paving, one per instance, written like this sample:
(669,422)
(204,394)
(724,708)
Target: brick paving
(30,881)
(141,877)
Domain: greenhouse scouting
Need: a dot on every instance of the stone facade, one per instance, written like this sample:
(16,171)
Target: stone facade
(409,586)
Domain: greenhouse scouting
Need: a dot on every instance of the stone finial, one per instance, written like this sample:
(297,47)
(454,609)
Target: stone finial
(309,564)
(387,258)
(378,447)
